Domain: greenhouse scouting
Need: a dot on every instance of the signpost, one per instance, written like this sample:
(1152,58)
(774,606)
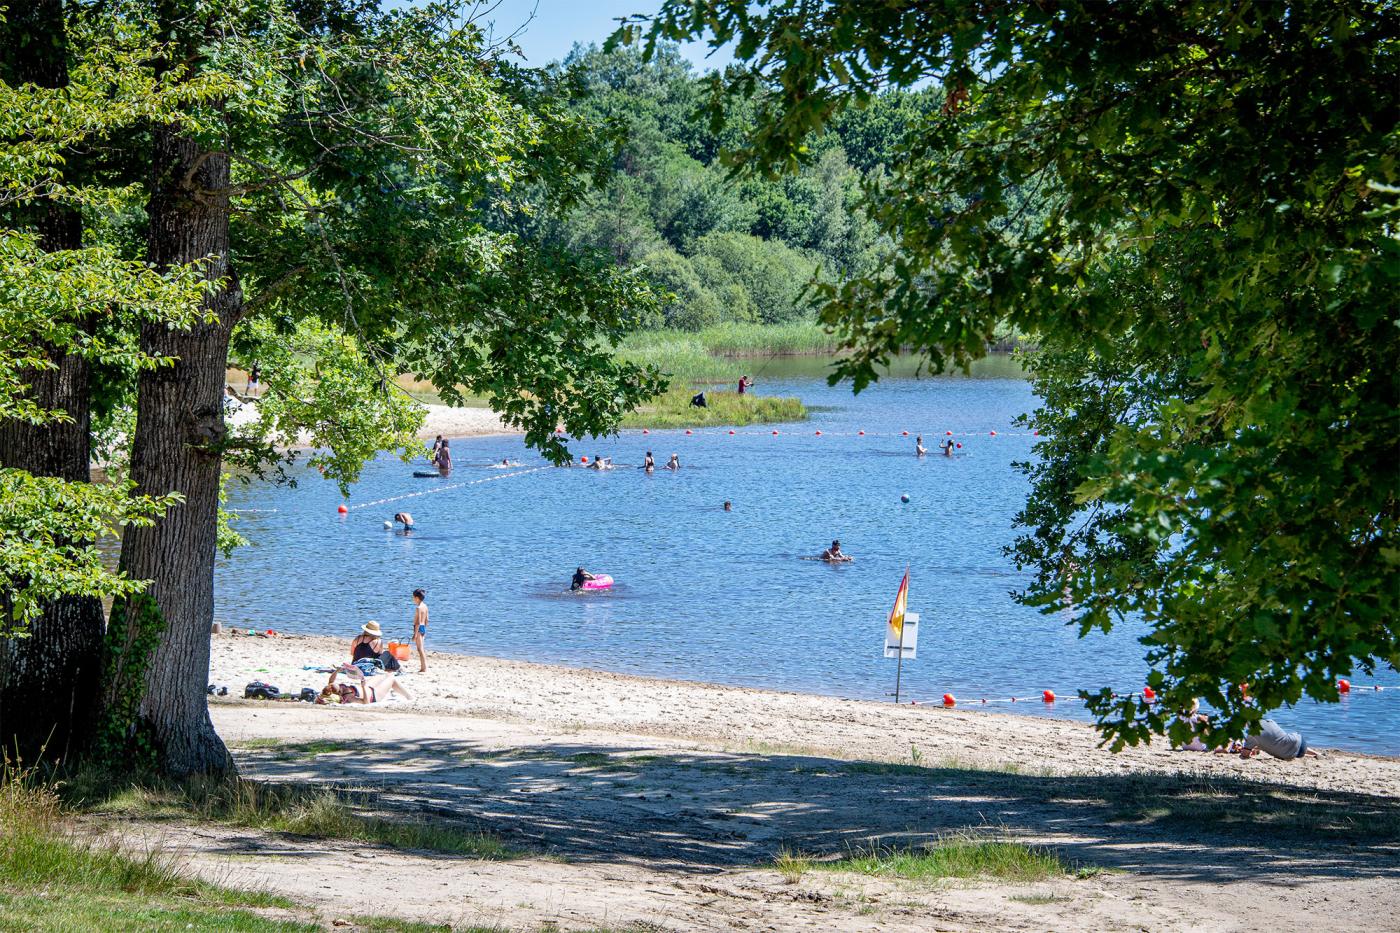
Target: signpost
(905,645)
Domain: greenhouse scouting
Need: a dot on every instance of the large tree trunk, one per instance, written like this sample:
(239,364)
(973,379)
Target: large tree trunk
(179,431)
(49,680)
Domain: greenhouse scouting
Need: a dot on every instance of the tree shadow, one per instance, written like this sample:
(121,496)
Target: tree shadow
(702,811)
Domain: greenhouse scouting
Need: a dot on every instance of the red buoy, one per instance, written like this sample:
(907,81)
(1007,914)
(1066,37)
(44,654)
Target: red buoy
(1149,694)
(994,434)
(819,434)
(583,459)
(558,430)
(1048,696)
(861,433)
(645,431)
(775,433)
(1344,686)
(949,433)
(731,433)
(1035,434)
(949,700)
(960,447)
(905,433)
(341,509)
(688,431)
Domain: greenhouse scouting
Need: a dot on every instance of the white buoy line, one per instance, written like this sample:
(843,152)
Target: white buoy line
(429,492)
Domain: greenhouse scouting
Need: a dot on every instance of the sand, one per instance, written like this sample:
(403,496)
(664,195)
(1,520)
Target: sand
(661,805)
(461,422)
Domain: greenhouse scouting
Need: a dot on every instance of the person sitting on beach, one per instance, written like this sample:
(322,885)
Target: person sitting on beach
(1199,723)
(649,464)
(947,447)
(368,643)
(674,463)
(834,554)
(405,519)
(1272,739)
(919,448)
(581,576)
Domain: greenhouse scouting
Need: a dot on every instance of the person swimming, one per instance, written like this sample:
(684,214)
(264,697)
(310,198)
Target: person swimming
(834,554)
(674,463)
(601,463)
(728,506)
(581,577)
(649,464)
(919,448)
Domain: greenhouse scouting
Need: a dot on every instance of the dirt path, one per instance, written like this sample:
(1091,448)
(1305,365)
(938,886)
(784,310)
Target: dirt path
(627,830)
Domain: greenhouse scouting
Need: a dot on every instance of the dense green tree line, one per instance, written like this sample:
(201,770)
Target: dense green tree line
(724,248)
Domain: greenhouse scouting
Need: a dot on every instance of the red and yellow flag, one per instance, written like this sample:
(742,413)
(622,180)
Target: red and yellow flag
(901,601)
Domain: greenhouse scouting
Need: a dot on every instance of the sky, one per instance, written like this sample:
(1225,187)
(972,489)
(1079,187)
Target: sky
(557,24)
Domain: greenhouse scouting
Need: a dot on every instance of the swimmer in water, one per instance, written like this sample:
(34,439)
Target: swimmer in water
(728,506)
(432,454)
(947,448)
(444,459)
(581,576)
(919,448)
(405,519)
(834,554)
(674,463)
(649,464)
(601,463)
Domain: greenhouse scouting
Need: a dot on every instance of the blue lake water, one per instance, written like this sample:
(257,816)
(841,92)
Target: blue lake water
(709,595)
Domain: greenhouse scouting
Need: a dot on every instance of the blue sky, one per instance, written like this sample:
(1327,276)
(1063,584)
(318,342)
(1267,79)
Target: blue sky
(558,24)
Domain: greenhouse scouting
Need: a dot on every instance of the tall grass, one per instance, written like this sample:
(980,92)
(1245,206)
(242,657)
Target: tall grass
(718,353)
(673,410)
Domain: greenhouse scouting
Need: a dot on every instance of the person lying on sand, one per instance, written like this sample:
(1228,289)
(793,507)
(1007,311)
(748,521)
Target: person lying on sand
(359,687)
(580,577)
(834,554)
(1272,739)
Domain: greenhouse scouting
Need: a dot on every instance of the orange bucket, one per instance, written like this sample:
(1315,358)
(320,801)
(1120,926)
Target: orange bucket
(398,650)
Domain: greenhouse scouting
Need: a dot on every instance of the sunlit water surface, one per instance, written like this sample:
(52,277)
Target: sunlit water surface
(709,595)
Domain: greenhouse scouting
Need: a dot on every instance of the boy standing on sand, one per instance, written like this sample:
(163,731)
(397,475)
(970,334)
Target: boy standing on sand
(420,628)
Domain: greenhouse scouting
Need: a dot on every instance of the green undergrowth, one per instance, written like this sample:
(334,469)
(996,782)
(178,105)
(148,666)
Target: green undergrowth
(303,811)
(951,857)
(673,410)
(724,352)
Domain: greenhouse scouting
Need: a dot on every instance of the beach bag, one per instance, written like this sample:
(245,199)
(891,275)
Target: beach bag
(257,690)
(390,661)
(399,650)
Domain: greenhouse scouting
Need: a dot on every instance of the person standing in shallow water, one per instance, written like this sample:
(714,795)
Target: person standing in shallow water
(649,464)
(919,448)
(420,628)
(444,459)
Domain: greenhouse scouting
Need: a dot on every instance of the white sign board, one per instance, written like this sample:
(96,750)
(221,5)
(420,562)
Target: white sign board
(911,638)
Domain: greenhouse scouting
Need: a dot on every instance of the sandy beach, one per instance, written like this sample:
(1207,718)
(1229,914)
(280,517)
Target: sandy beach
(639,803)
(453,422)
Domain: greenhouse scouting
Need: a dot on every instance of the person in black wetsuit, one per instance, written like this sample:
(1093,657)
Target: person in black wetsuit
(580,577)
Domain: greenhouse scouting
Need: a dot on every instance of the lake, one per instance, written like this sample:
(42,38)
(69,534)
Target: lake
(727,597)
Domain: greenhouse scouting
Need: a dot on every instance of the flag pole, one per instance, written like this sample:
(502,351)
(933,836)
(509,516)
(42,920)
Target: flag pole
(899,662)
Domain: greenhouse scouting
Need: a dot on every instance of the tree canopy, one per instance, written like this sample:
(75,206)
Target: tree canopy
(1192,207)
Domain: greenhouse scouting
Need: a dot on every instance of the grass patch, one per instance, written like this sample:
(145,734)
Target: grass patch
(1038,899)
(719,352)
(955,857)
(290,751)
(792,866)
(53,879)
(673,410)
(316,812)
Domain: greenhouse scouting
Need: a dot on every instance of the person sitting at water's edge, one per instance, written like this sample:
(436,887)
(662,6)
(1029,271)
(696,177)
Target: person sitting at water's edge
(581,577)
(834,554)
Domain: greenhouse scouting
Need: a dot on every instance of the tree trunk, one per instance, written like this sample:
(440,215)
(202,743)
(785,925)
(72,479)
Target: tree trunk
(177,447)
(49,680)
